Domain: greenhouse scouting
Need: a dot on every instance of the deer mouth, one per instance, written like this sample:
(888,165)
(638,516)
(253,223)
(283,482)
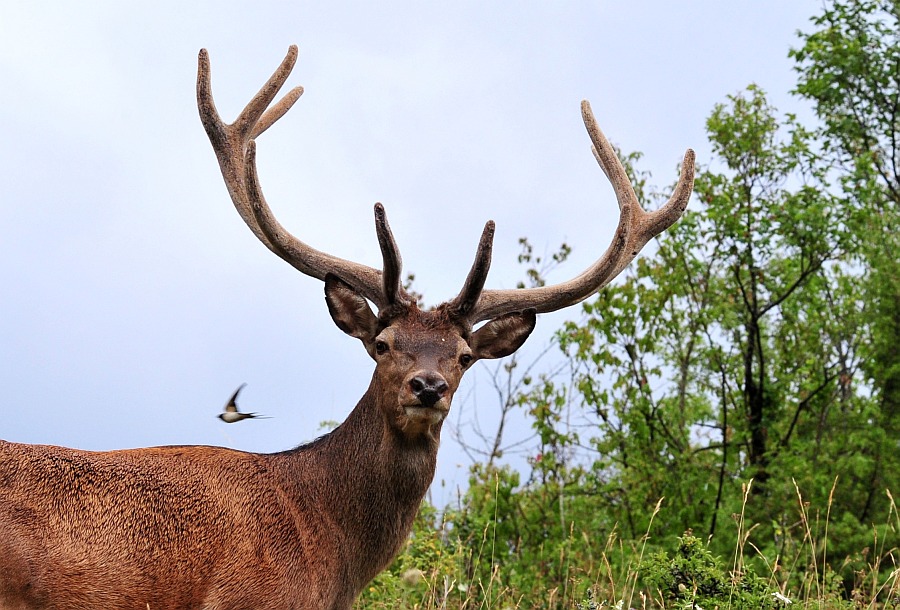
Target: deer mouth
(421,414)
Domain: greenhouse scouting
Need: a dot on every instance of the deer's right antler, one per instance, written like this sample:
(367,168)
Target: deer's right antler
(236,151)
(636,227)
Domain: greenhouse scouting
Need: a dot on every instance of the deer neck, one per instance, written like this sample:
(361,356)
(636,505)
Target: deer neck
(376,456)
(370,476)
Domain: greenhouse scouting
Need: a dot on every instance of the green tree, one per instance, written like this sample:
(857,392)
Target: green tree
(700,312)
(732,353)
(849,67)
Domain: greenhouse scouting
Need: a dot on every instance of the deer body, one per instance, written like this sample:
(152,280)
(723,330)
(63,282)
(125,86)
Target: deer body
(207,527)
(216,529)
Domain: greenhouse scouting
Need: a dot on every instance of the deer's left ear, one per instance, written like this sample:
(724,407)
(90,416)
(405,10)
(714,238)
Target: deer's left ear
(504,335)
(350,311)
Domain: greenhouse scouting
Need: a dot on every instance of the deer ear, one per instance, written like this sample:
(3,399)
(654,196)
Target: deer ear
(350,311)
(502,336)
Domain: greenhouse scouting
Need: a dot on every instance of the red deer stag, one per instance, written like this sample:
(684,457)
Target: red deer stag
(214,528)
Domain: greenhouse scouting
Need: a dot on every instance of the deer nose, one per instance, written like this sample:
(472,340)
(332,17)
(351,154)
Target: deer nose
(428,388)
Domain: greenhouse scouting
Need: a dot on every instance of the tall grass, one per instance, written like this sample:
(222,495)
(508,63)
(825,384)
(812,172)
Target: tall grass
(437,571)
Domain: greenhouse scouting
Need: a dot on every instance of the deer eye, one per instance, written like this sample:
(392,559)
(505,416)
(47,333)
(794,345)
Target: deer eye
(465,360)
(381,347)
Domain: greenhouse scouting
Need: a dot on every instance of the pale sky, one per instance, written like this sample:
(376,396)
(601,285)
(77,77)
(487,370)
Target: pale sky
(134,300)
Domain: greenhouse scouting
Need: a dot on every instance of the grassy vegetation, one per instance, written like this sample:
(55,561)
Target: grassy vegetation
(439,571)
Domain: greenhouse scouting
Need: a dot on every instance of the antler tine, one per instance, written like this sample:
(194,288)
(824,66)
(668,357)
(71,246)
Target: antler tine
(465,302)
(276,112)
(608,160)
(249,117)
(390,253)
(209,116)
(236,152)
(636,227)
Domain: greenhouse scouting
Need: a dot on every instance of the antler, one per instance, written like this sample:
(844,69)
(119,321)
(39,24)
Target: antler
(636,227)
(236,151)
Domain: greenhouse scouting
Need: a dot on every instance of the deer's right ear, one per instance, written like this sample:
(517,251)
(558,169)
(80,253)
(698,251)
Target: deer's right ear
(350,311)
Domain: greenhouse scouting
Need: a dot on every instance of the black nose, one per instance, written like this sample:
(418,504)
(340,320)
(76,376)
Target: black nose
(428,388)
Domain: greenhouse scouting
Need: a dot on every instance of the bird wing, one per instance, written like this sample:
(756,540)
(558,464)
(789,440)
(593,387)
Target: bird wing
(231,406)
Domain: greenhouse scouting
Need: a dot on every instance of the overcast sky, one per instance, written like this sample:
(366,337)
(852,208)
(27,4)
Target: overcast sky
(134,300)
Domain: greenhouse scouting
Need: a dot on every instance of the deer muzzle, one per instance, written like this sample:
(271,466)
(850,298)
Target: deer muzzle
(428,388)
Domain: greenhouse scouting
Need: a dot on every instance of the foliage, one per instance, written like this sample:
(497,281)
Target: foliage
(849,67)
(731,353)
(693,577)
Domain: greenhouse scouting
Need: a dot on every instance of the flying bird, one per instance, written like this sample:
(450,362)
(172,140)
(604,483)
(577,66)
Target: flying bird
(231,413)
